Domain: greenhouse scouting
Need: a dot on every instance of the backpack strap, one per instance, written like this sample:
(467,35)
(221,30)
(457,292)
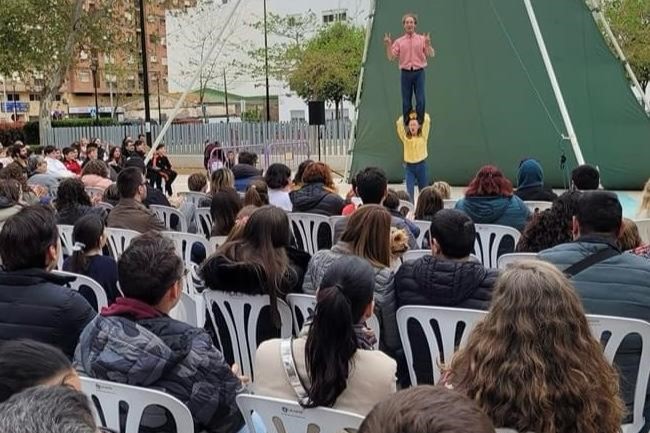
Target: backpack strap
(289,364)
(590,261)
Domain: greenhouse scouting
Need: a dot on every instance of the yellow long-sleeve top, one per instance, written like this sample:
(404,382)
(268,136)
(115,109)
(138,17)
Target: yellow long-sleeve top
(415,147)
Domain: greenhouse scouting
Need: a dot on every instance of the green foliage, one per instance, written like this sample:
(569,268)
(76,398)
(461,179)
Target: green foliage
(630,22)
(10,132)
(330,64)
(252,115)
(68,123)
(30,131)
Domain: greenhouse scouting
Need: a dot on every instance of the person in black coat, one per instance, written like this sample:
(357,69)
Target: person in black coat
(318,193)
(530,182)
(162,167)
(33,302)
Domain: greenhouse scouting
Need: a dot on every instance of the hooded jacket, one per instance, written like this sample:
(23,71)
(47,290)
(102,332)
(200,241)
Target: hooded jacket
(437,281)
(314,198)
(502,210)
(132,343)
(8,208)
(530,182)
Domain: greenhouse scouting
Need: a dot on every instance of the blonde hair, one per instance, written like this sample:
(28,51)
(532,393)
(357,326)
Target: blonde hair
(644,208)
(221,179)
(443,189)
(532,364)
(629,238)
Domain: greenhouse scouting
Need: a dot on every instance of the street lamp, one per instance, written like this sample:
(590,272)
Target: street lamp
(94,65)
(158,86)
(266,67)
(13,97)
(145,73)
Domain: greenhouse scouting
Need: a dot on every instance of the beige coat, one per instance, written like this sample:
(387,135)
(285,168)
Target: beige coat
(372,376)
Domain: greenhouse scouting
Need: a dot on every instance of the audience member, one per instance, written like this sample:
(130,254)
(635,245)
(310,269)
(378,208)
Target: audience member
(489,200)
(153,196)
(278,180)
(221,179)
(115,158)
(644,208)
(128,147)
(244,171)
(231,159)
(92,151)
(55,167)
(367,235)
(72,202)
(318,194)
(392,204)
(257,193)
(197,182)
(224,207)
(426,409)
(47,409)
(585,178)
(443,189)
(37,166)
(28,363)
(629,237)
(140,148)
(372,187)
(608,282)
(9,199)
(95,174)
(33,302)
(186,363)
(130,212)
(550,227)
(70,161)
(20,154)
(333,357)
(163,168)
(240,221)
(429,203)
(297,179)
(530,182)
(89,238)
(111,195)
(532,364)
(212,152)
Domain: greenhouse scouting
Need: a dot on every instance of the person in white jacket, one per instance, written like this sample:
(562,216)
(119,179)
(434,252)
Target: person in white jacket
(55,167)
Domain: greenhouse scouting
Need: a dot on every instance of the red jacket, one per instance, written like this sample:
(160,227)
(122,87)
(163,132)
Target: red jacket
(73,166)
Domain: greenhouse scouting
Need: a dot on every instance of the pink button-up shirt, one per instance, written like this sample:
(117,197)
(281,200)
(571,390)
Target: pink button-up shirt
(411,51)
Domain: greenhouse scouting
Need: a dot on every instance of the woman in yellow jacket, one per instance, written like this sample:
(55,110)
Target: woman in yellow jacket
(415,141)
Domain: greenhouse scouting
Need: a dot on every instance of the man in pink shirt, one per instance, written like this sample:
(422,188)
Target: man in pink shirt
(411,50)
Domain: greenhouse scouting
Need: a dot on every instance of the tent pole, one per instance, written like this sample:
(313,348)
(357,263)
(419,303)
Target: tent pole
(353,130)
(554,83)
(597,12)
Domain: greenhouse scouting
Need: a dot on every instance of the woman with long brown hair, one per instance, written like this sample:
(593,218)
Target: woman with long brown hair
(367,235)
(532,364)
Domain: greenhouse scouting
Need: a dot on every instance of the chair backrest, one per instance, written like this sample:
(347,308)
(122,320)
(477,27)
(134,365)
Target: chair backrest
(488,240)
(507,259)
(284,416)
(618,328)
(447,320)
(241,314)
(107,397)
(184,243)
(165,213)
(93,191)
(194,197)
(424,227)
(303,306)
(203,220)
(411,255)
(305,226)
(119,240)
(333,220)
(538,206)
(404,204)
(449,203)
(644,229)
(84,281)
(190,309)
(65,241)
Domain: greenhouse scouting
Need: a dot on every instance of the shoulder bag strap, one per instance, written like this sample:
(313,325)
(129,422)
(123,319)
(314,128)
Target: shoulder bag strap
(590,260)
(289,364)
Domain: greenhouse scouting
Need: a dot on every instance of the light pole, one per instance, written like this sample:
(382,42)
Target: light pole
(145,74)
(13,97)
(266,67)
(159,112)
(94,64)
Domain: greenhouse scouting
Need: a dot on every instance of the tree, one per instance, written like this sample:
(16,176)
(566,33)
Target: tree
(630,22)
(330,65)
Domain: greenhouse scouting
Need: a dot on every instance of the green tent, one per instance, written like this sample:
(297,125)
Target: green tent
(491,97)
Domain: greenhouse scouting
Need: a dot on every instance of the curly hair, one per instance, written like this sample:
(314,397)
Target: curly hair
(489,181)
(71,192)
(319,172)
(14,171)
(550,227)
(532,364)
(95,166)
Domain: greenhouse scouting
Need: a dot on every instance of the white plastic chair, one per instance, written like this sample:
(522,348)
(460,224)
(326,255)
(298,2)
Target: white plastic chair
(538,206)
(424,227)
(107,397)
(236,308)
(190,309)
(84,281)
(450,203)
(194,197)
(203,220)
(334,219)
(293,418)
(306,304)
(164,213)
(184,242)
(507,259)
(447,320)
(119,240)
(411,255)
(305,226)
(488,240)
(65,238)
(408,205)
(644,229)
(619,328)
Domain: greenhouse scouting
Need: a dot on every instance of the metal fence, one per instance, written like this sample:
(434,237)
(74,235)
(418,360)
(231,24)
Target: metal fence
(278,142)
